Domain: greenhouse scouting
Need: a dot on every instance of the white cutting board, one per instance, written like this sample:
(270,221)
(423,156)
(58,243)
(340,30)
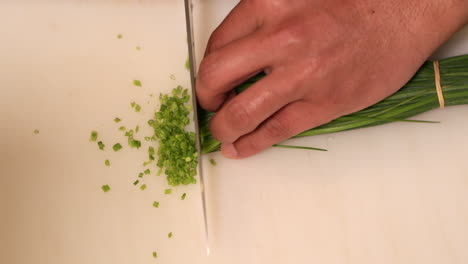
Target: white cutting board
(391,194)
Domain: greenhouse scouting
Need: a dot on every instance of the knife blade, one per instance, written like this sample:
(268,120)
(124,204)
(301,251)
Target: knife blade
(193,72)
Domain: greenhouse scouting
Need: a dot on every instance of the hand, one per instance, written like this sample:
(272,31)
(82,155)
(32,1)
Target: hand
(323,59)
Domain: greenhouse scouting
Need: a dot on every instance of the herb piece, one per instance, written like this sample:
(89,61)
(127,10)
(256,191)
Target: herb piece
(137,83)
(172,77)
(122,128)
(177,153)
(146,163)
(151,153)
(137,128)
(132,104)
(140,175)
(105,188)
(117,147)
(132,142)
(101,145)
(36,131)
(156,204)
(137,108)
(143,187)
(119,36)
(169,235)
(136,182)
(138,48)
(117,119)
(183,196)
(155,254)
(107,163)
(168,191)
(147,171)
(187,64)
(147,138)
(213,162)
(93,137)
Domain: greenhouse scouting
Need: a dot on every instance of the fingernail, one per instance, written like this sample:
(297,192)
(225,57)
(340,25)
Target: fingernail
(229,151)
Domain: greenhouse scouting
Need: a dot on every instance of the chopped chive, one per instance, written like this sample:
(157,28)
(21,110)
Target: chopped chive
(138,48)
(151,153)
(36,131)
(147,138)
(137,108)
(183,196)
(159,172)
(94,136)
(213,162)
(156,204)
(137,83)
(137,128)
(187,64)
(136,182)
(134,143)
(155,254)
(146,163)
(143,187)
(147,171)
(119,36)
(168,191)
(117,119)
(101,145)
(169,235)
(140,175)
(107,163)
(105,188)
(132,104)
(122,128)
(172,77)
(117,147)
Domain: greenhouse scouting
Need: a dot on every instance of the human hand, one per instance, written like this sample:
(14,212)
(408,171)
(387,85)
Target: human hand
(323,59)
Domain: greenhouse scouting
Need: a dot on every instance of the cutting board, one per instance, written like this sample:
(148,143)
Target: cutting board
(397,193)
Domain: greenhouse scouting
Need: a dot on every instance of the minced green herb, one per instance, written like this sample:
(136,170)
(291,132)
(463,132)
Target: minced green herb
(137,83)
(136,182)
(151,153)
(140,175)
(101,145)
(107,163)
(155,254)
(143,187)
(137,128)
(156,204)
(169,235)
(137,108)
(213,162)
(36,131)
(187,64)
(117,119)
(172,77)
(147,138)
(94,136)
(117,147)
(146,163)
(122,128)
(138,48)
(168,191)
(177,153)
(132,104)
(183,196)
(105,188)
(132,142)
(147,171)
(119,36)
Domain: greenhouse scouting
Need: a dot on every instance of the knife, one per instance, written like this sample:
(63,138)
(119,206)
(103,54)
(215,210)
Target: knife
(193,72)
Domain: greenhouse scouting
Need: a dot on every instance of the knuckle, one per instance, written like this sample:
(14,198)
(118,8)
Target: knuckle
(276,129)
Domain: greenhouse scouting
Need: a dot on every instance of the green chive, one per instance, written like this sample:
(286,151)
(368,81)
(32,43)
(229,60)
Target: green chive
(155,254)
(101,145)
(183,196)
(137,108)
(140,175)
(168,191)
(122,128)
(172,77)
(213,162)
(147,171)
(105,188)
(143,187)
(136,182)
(138,48)
(117,119)
(137,128)
(187,64)
(147,138)
(107,163)
(137,83)
(94,136)
(117,147)
(132,104)
(169,235)
(119,36)
(36,131)
(156,204)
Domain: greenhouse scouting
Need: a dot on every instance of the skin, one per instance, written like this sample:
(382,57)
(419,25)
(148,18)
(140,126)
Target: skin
(323,59)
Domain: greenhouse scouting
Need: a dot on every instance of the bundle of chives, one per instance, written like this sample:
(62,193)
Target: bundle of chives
(419,95)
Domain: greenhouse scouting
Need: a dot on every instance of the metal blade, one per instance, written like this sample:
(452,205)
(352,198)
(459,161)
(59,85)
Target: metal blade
(191,50)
